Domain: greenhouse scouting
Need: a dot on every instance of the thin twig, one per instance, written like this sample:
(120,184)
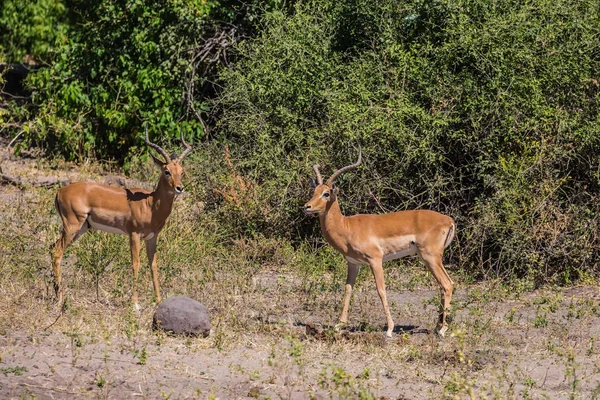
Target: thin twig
(15,138)
(216,47)
(62,311)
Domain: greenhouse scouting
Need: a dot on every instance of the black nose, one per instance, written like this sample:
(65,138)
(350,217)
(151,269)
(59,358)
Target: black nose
(179,189)
(307,206)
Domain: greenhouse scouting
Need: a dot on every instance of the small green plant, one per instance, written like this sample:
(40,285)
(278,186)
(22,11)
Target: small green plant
(76,344)
(100,380)
(460,383)
(365,374)
(18,371)
(346,386)
(529,382)
(254,392)
(131,325)
(97,252)
(510,315)
(591,350)
(540,320)
(254,375)
(141,355)
(571,373)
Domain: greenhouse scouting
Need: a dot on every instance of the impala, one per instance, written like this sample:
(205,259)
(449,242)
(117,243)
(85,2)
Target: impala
(137,213)
(372,239)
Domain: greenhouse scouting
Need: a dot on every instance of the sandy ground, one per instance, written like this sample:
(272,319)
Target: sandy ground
(498,350)
(275,339)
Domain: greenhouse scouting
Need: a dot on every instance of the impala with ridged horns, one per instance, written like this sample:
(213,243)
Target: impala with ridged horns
(137,213)
(372,239)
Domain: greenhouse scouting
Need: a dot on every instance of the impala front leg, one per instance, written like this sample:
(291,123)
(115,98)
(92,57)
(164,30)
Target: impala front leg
(377,268)
(350,280)
(152,261)
(134,243)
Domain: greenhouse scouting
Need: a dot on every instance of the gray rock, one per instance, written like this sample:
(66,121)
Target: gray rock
(182,315)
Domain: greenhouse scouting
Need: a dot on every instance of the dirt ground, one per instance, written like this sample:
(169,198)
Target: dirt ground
(274,339)
(512,357)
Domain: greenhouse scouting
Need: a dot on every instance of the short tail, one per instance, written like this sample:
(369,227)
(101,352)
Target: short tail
(57,206)
(450,235)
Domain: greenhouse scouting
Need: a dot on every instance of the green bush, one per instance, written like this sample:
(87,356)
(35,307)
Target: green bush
(127,63)
(486,113)
(117,64)
(31,30)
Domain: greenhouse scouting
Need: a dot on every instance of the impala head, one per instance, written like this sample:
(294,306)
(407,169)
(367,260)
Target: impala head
(171,169)
(326,193)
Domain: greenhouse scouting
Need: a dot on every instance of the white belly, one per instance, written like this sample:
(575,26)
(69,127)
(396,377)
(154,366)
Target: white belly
(354,261)
(149,236)
(105,228)
(411,251)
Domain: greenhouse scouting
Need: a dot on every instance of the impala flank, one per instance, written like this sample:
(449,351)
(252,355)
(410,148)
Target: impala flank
(137,213)
(372,239)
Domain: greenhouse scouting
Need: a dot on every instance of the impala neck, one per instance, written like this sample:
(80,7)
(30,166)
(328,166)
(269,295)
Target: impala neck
(163,196)
(333,225)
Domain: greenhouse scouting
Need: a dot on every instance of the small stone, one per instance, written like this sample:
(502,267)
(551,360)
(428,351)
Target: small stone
(182,315)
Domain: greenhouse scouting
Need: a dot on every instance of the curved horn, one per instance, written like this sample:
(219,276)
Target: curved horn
(188,148)
(346,168)
(319,178)
(156,147)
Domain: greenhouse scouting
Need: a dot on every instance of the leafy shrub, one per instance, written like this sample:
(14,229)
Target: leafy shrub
(119,63)
(126,63)
(30,30)
(488,114)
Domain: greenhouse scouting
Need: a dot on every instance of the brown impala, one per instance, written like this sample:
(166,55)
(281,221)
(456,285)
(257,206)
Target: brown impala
(372,239)
(137,213)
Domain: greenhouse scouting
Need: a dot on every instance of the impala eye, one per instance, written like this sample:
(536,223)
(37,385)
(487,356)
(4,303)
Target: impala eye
(167,172)
(326,194)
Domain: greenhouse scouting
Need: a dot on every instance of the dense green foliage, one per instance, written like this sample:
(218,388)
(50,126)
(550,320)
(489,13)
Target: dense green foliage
(484,111)
(120,63)
(124,65)
(31,30)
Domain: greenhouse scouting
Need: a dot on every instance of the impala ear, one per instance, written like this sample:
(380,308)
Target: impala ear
(157,161)
(335,189)
(311,183)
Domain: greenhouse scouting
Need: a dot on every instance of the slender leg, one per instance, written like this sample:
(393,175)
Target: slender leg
(152,261)
(71,231)
(134,243)
(350,280)
(377,268)
(84,228)
(56,252)
(434,262)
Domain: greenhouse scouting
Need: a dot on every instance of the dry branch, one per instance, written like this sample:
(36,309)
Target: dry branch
(208,54)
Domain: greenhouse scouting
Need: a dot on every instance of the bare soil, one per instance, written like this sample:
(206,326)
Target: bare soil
(273,334)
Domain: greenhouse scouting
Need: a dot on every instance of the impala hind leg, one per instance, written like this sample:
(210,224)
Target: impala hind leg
(350,280)
(71,231)
(152,261)
(134,244)
(434,262)
(377,268)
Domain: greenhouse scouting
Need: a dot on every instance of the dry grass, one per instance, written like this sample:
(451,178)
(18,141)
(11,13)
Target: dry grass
(272,309)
